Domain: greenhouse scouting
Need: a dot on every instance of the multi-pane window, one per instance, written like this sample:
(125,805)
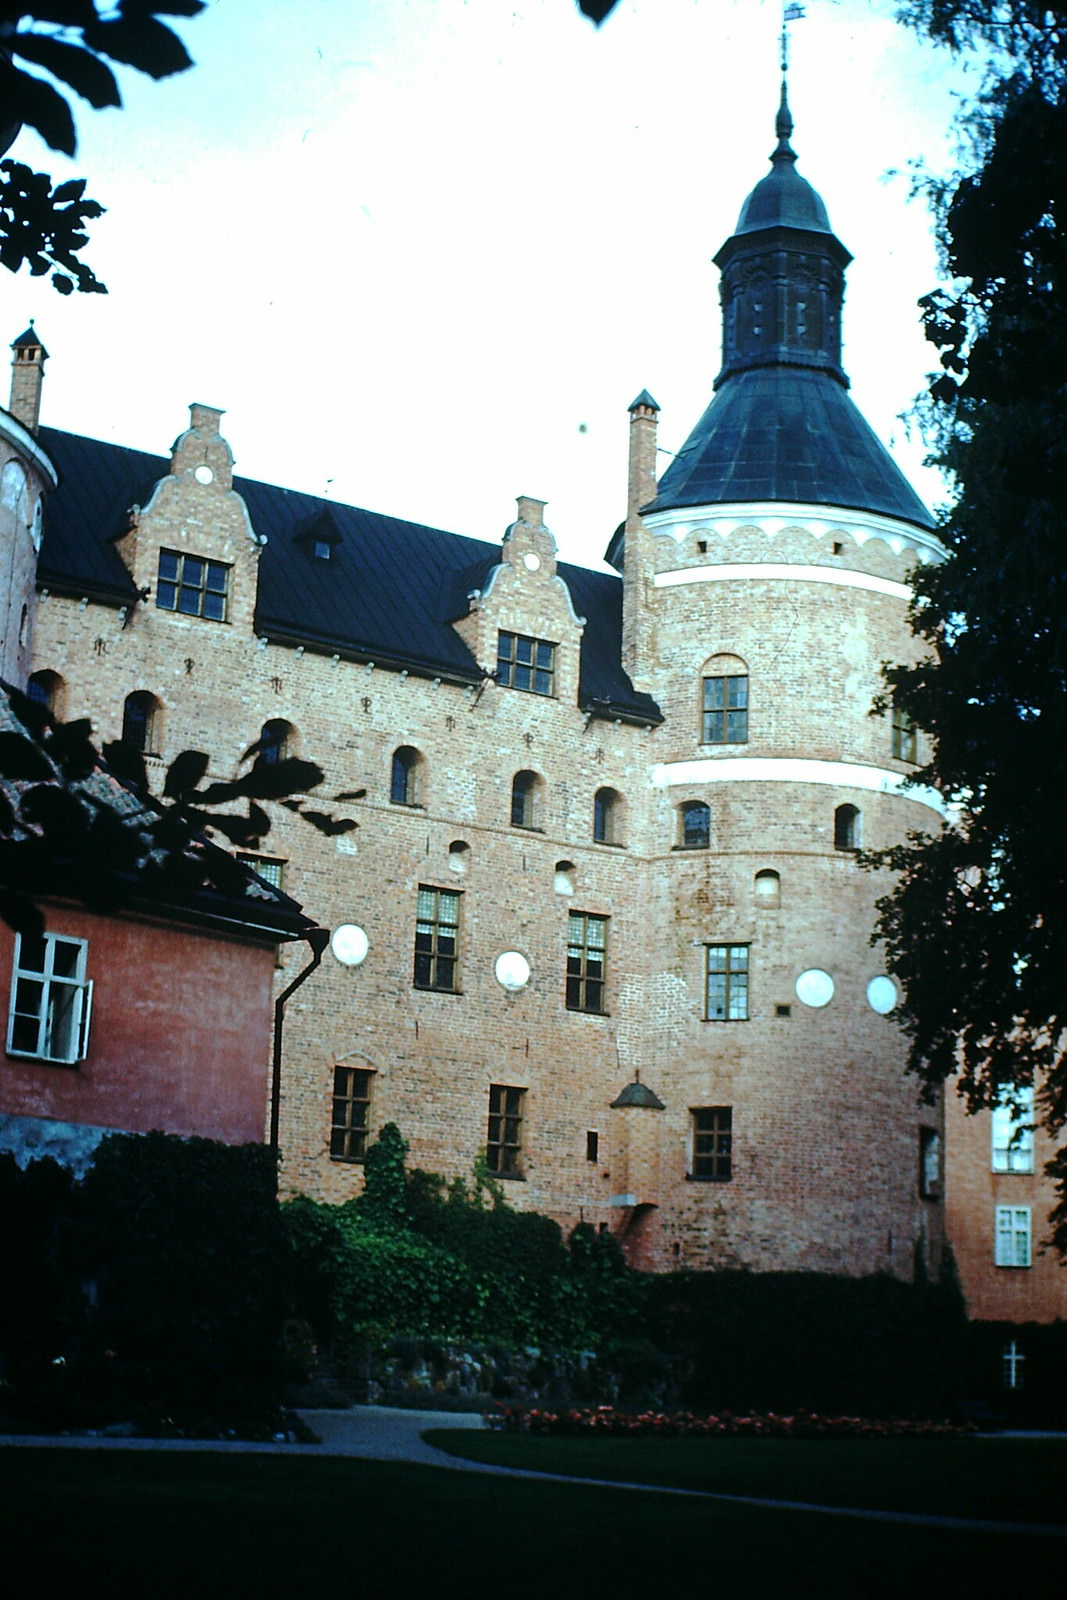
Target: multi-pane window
(436,939)
(696,825)
(51,999)
(727,983)
(524,663)
(905,737)
(192,585)
(270,868)
(274,739)
(713,1143)
(1013,1132)
(587,954)
(725,714)
(1012,1236)
(503,1144)
(351,1113)
(403,776)
(929,1163)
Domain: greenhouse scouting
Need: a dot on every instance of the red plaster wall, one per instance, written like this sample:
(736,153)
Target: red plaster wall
(180,1036)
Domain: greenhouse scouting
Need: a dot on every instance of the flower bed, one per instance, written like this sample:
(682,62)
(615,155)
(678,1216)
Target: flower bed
(605,1421)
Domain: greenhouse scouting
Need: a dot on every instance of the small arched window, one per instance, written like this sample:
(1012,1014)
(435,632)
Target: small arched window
(846,828)
(525,787)
(275,740)
(768,888)
(607,816)
(695,821)
(404,776)
(565,878)
(46,688)
(141,722)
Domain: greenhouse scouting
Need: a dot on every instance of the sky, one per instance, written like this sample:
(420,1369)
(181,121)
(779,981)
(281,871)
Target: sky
(424,253)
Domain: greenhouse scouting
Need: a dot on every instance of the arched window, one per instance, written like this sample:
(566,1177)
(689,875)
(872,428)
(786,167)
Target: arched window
(404,776)
(46,688)
(846,828)
(524,798)
(141,722)
(275,740)
(607,816)
(565,877)
(695,823)
(724,701)
(768,888)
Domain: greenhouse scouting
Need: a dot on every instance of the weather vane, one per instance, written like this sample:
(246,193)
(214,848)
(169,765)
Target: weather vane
(791,12)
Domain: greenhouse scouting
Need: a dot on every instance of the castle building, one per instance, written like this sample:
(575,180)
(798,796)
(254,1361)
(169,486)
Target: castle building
(601,921)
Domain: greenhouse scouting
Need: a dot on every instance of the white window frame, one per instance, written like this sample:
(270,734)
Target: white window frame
(1011,1240)
(61,1007)
(1012,1133)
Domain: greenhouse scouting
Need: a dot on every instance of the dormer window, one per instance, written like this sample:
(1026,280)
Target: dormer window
(323,550)
(524,663)
(192,586)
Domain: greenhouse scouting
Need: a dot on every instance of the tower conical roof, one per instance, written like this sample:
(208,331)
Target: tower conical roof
(781,426)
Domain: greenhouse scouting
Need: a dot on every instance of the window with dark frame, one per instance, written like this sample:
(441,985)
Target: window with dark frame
(606,813)
(503,1144)
(712,1143)
(592,1145)
(929,1163)
(726,993)
(696,825)
(523,800)
(192,586)
(51,999)
(905,736)
(725,710)
(274,741)
(403,784)
(436,939)
(350,1113)
(587,953)
(525,663)
(846,828)
(44,688)
(139,722)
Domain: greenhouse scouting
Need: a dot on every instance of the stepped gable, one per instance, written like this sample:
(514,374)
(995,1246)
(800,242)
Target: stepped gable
(388,593)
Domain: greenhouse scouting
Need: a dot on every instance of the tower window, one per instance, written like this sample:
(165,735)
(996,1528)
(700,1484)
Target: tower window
(524,788)
(712,1134)
(905,736)
(696,825)
(193,586)
(725,712)
(846,828)
(607,816)
(727,983)
(45,688)
(403,776)
(929,1163)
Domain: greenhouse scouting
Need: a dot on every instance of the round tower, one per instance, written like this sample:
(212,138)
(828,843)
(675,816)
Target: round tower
(772,564)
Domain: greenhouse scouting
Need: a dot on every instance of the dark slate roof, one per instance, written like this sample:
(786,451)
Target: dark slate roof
(638,1094)
(783,199)
(388,593)
(791,434)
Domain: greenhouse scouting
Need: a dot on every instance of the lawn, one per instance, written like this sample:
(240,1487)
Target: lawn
(166,1524)
(1012,1480)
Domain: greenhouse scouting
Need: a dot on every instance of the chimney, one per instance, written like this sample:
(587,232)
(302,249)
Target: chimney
(27,378)
(637,619)
(641,481)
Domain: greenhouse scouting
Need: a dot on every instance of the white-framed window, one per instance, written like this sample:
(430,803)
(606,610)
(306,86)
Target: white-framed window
(1013,1131)
(51,999)
(1012,1236)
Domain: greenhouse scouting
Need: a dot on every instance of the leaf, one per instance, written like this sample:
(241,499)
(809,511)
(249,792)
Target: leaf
(79,69)
(185,772)
(35,102)
(126,762)
(60,814)
(20,913)
(23,761)
(138,40)
(330,826)
(350,794)
(172,8)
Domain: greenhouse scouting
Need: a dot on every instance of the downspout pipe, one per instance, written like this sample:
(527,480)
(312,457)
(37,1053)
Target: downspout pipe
(318,939)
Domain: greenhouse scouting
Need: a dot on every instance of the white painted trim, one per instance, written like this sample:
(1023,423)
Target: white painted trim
(23,441)
(844,576)
(792,769)
(773,517)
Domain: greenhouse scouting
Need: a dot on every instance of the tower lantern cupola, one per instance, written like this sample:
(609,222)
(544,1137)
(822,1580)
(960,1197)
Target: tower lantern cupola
(783,273)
